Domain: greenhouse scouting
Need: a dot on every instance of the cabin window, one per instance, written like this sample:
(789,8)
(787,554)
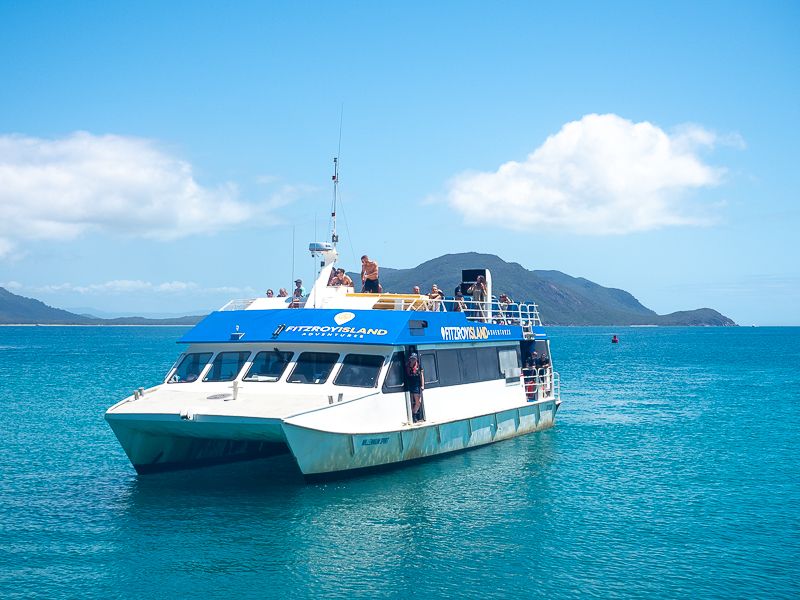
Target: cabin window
(268,366)
(226,366)
(395,376)
(509,362)
(449,369)
(313,367)
(359,370)
(488,365)
(190,368)
(429,370)
(468,365)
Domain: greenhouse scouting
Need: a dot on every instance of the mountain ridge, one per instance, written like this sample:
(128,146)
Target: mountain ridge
(562,299)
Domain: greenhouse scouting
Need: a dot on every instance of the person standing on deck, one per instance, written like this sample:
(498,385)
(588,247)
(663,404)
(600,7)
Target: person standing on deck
(478,291)
(369,275)
(436,297)
(416,383)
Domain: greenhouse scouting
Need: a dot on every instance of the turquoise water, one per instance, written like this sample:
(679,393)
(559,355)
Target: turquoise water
(673,471)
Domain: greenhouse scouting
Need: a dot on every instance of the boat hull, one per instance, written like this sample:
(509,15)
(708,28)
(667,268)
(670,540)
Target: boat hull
(157,443)
(319,452)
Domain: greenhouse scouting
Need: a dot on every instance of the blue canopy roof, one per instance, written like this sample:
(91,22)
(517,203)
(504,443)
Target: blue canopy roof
(373,327)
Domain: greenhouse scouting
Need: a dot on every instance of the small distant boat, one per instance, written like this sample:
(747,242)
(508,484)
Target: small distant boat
(614,339)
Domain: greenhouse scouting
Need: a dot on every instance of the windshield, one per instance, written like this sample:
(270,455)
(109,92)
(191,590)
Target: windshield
(313,367)
(226,366)
(359,370)
(268,366)
(190,367)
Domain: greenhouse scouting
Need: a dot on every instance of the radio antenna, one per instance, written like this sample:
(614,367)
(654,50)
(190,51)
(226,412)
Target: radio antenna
(334,235)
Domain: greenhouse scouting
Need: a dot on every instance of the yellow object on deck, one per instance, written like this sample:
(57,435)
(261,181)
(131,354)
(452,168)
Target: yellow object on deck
(395,301)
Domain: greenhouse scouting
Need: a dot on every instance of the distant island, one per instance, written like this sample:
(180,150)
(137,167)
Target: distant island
(19,310)
(562,299)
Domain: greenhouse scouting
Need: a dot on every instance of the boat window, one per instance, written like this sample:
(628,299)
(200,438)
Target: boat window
(468,365)
(431,373)
(268,366)
(509,362)
(226,366)
(359,370)
(488,365)
(190,368)
(395,378)
(313,367)
(449,370)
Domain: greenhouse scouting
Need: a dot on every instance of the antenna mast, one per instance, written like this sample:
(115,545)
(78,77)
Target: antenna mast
(334,235)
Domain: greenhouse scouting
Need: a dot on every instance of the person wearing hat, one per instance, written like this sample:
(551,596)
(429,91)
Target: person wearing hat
(299,290)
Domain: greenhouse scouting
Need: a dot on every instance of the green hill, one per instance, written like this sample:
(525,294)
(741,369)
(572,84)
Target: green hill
(562,299)
(19,310)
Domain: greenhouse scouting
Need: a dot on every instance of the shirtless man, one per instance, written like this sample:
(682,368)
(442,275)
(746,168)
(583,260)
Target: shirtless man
(343,278)
(369,275)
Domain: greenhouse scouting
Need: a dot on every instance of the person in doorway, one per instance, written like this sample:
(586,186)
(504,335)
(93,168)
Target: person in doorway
(544,366)
(529,377)
(416,383)
(369,275)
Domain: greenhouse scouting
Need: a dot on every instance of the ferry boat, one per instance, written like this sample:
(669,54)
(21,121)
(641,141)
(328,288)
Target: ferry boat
(325,378)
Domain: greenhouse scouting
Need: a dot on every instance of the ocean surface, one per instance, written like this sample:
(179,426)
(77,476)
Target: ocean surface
(673,471)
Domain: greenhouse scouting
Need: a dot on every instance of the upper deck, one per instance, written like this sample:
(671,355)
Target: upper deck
(337,314)
(366,327)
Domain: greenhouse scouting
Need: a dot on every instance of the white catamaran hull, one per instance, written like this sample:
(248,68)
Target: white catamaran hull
(318,440)
(168,442)
(318,452)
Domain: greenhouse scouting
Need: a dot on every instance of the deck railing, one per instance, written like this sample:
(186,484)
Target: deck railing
(239,304)
(525,314)
(503,313)
(541,383)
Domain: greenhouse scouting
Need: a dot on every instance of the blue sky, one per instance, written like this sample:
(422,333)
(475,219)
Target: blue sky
(155,157)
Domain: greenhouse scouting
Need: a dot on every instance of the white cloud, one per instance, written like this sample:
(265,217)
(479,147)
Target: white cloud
(600,175)
(59,189)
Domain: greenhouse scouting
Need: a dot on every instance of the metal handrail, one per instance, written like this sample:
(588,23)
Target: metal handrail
(513,313)
(524,314)
(543,379)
